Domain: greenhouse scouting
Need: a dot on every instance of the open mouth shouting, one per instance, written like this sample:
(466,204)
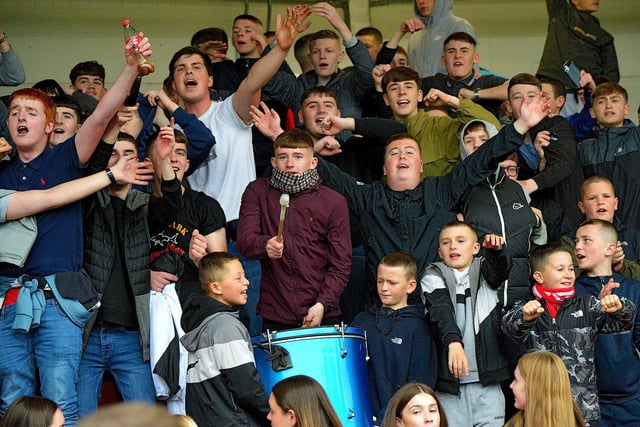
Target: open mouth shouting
(22,130)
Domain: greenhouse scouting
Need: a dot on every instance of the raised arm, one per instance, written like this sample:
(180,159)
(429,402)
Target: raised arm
(11,69)
(410,25)
(496,265)
(327,11)
(25,203)
(286,31)
(267,120)
(92,129)
(453,186)
(200,138)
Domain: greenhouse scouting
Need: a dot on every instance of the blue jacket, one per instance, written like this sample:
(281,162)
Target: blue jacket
(617,360)
(411,220)
(572,335)
(349,84)
(31,302)
(401,350)
(615,153)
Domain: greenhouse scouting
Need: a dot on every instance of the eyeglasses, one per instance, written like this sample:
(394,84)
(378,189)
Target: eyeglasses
(511,170)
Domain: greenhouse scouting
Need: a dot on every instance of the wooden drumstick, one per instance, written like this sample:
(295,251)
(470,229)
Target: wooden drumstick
(284,204)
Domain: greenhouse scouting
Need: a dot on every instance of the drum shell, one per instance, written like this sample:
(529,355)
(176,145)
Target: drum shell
(318,353)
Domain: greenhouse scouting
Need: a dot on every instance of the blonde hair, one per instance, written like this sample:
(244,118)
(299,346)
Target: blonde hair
(548,392)
(213,268)
(402,260)
(185,421)
(127,414)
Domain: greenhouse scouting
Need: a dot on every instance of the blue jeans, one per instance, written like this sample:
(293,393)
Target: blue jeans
(54,347)
(118,350)
(253,273)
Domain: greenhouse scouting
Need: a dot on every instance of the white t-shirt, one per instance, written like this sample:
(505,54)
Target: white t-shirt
(4,203)
(18,235)
(230,166)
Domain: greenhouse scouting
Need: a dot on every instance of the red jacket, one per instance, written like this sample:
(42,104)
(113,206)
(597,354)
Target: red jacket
(316,262)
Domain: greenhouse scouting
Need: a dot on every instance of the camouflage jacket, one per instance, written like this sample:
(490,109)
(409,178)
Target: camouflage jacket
(572,335)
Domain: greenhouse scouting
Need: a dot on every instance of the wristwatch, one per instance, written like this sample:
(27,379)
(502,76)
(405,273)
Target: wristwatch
(476,94)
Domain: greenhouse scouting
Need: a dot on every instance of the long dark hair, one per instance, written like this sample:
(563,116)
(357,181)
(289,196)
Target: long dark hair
(29,411)
(402,397)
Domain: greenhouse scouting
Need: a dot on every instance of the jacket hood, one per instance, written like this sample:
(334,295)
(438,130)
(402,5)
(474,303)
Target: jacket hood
(135,199)
(596,283)
(199,308)
(386,318)
(441,9)
(397,199)
(627,125)
(491,130)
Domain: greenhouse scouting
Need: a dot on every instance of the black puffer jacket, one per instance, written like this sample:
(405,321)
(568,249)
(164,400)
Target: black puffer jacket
(572,336)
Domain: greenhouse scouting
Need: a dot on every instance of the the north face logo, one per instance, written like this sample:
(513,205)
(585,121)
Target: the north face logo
(517,206)
(396,340)
(577,314)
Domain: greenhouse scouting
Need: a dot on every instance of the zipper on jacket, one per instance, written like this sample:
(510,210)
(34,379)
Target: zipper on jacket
(505,288)
(555,334)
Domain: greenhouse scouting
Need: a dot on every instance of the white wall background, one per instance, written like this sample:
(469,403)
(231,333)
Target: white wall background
(53,35)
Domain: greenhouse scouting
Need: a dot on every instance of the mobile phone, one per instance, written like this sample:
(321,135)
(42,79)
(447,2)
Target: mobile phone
(133,94)
(573,72)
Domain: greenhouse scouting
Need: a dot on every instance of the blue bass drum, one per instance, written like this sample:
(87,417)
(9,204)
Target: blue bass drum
(335,356)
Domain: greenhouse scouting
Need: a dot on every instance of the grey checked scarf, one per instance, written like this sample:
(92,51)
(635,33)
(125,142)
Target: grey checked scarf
(293,184)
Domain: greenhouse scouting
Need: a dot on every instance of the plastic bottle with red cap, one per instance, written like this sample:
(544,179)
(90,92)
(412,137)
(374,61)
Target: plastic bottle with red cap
(145,66)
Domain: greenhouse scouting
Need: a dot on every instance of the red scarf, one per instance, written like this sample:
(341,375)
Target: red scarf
(553,297)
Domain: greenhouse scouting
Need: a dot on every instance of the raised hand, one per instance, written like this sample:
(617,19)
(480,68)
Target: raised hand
(128,170)
(543,140)
(327,146)
(532,310)
(378,73)
(215,49)
(166,140)
(586,80)
(437,98)
(465,93)
(5,147)
(618,257)
(287,29)
(124,115)
(533,110)
(144,47)
(411,25)
(610,303)
(197,247)
(333,125)
(260,41)
(161,99)
(493,242)
(267,120)
(302,12)
(328,12)
(608,288)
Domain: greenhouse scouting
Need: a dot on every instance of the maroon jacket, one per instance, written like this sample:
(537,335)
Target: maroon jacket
(316,262)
